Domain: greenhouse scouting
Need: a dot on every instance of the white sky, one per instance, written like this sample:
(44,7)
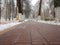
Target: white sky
(33,2)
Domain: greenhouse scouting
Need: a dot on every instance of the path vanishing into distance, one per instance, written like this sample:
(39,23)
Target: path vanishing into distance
(31,33)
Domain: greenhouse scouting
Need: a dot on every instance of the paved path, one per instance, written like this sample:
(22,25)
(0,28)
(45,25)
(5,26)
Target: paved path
(32,33)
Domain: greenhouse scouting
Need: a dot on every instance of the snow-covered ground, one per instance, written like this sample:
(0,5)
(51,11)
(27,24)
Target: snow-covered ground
(48,22)
(5,26)
(8,25)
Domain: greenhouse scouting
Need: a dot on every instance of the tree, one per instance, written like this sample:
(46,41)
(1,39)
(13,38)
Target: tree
(0,9)
(47,9)
(19,5)
(40,7)
(26,8)
(57,3)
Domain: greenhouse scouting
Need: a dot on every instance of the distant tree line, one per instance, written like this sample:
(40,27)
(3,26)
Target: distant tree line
(10,11)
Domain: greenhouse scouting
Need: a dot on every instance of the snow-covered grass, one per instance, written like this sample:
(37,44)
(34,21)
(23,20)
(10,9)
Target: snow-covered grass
(5,26)
(11,24)
(47,22)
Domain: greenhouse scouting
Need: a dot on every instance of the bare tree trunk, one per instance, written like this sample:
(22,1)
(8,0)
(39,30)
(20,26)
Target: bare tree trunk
(19,4)
(15,8)
(0,9)
(40,7)
(6,10)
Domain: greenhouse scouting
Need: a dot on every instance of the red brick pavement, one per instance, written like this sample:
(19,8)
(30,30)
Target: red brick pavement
(32,33)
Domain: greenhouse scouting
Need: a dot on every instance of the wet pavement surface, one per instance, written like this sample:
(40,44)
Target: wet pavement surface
(32,33)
